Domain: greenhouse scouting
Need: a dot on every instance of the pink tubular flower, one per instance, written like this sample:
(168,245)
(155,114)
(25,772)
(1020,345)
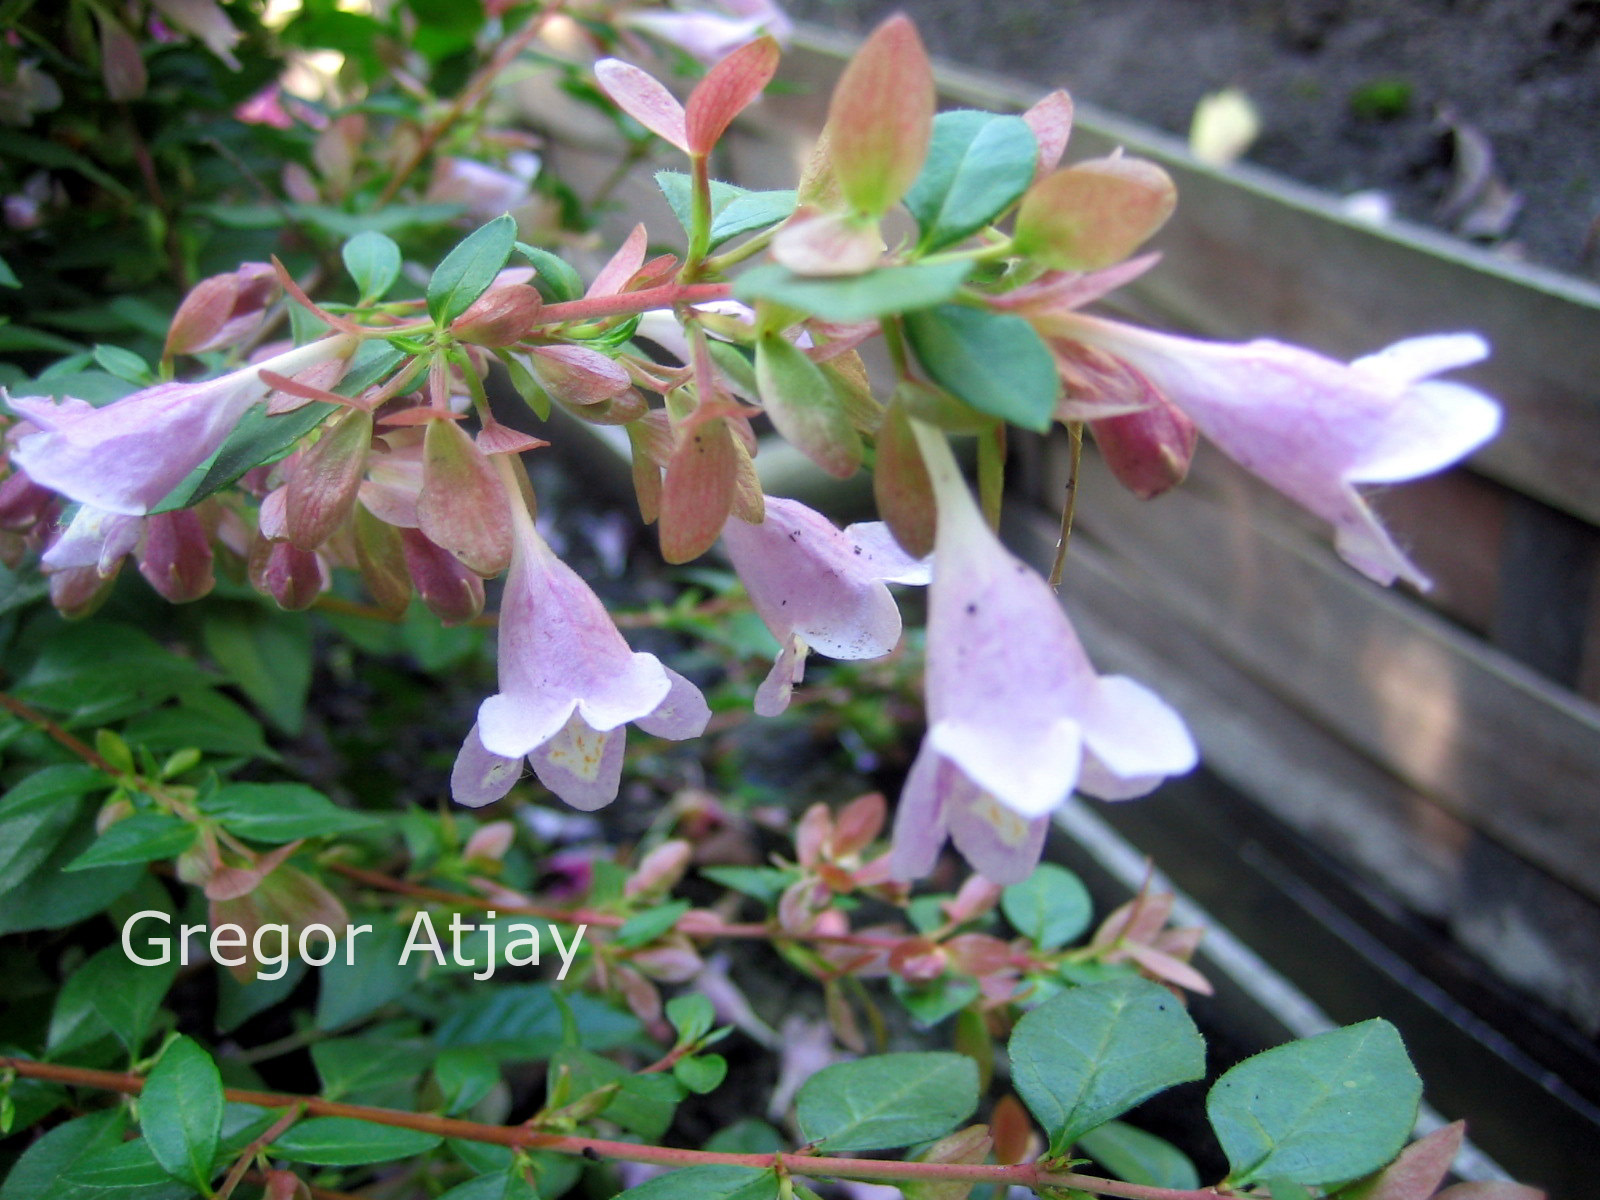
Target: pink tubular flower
(818,587)
(1312,427)
(128,456)
(1017,716)
(569,683)
(710,35)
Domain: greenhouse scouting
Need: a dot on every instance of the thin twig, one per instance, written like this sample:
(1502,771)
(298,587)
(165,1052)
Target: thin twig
(1070,507)
(1029,1175)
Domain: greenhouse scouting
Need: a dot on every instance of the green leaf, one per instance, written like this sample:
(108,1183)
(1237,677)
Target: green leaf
(503,1185)
(130,1165)
(36,814)
(109,993)
(180,1111)
(930,1003)
(208,722)
(1050,908)
(708,1183)
(643,1104)
(804,407)
(348,991)
(863,297)
(750,212)
(141,838)
(1317,1111)
(124,364)
(887,1100)
(101,671)
(49,1166)
(469,269)
(522,1021)
(51,898)
(8,277)
(692,1015)
(346,1142)
(361,1068)
(373,261)
(993,361)
(281,812)
(762,883)
(268,654)
(1286,1189)
(678,189)
(978,165)
(643,928)
(702,1073)
(465,1076)
(1092,1053)
(1135,1156)
(554,277)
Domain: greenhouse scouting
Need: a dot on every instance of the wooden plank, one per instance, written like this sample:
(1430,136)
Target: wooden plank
(1250,254)
(1285,759)
(1461,723)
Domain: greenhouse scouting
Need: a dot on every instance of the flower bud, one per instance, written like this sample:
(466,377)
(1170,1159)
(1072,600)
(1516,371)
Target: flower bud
(78,591)
(285,1185)
(490,841)
(1148,451)
(661,869)
(223,310)
(976,897)
(175,556)
(451,592)
(642,997)
(675,962)
(23,503)
(502,316)
(291,576)
(917,960)
(576,374)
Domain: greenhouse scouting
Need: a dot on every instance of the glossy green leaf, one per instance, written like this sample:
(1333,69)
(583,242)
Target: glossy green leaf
(692,1015)
(502,1185)
(993,361)
(180,1111)
(887,1100)
(555,278)
(1317,1111)
(281,812)
(643,1104)
(267,653)
(1135,1156)
(469,269)
(978,165)
(702,1073)
(708,1183)
(344,1142)
(1050,908)
(124,364)
(358,1069)
(863,297)
(465,1076)
(110,994)
(101,671)
(132,1165)
(643,928)
(523,1021)
(141,838)
(373,260)
(734,210)
(49,1167)
(930,1003)
(36,814)
(1091,1053)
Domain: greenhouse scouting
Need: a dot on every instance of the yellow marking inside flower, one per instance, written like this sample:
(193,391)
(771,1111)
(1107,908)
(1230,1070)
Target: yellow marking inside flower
(1013,830)
(579,749)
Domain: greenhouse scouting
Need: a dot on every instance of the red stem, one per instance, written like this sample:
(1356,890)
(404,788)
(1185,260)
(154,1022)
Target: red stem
(1028,1175)
(662,296)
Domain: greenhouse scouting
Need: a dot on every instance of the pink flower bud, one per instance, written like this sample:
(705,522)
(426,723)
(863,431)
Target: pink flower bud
(175,556)
(490,841)
(463,506)
(675,962)
(976,897)
(285,1185)
(641,996)
(502,316)
(78,591)
(1148,451)
(291,576)
(23,503)
(661,869)
(223,310)
(451,592)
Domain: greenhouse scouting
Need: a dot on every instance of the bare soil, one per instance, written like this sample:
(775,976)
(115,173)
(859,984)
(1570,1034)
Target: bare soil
(1481,117)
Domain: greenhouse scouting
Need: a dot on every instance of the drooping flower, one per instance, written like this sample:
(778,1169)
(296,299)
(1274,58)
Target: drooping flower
(818,587)
(128,456)
(568,685)
(709,34)
(1312,427)
(1017,716)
